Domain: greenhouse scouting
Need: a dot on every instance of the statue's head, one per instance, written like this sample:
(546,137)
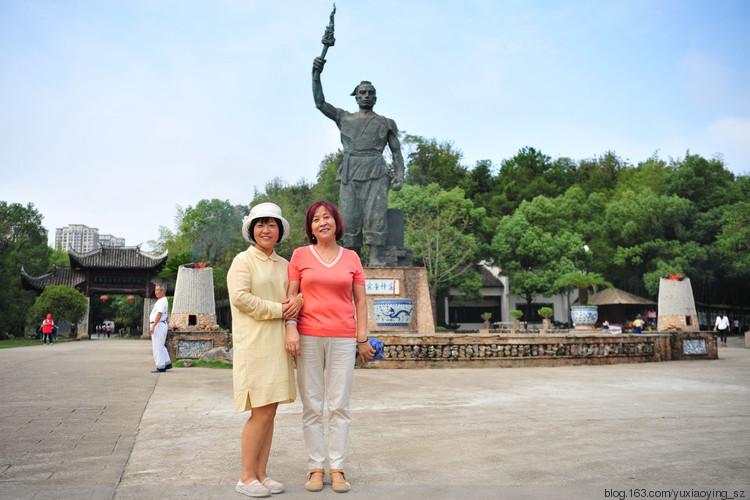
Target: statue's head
(365,95)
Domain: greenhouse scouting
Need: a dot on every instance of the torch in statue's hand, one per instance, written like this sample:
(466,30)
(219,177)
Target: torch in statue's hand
(328,39)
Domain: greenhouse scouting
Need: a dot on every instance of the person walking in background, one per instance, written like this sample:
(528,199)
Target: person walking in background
(158,330)
(262,371)
(47,325)
(330,327)
(722,326)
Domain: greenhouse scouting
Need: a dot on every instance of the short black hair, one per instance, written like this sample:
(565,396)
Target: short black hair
(251,232)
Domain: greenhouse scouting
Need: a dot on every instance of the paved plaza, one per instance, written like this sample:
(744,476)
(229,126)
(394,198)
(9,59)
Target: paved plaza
(87,420)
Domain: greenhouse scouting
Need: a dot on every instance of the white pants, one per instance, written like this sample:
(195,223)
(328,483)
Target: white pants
(325,369)
(158,339)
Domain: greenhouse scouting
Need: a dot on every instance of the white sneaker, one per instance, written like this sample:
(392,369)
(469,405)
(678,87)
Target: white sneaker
(254,489)
(274,486)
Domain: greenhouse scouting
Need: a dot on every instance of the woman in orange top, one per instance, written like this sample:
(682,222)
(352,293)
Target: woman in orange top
(325,338)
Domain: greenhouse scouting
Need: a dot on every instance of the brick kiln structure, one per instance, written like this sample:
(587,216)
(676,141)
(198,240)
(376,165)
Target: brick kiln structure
(194,307)
(676,305)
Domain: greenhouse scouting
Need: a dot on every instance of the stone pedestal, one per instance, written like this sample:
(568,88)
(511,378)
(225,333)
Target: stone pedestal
(747,338)
(396,283)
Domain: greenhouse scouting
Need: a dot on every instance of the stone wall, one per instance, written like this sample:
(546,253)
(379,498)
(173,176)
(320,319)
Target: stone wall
(193,344)
(693,345)
(515,350)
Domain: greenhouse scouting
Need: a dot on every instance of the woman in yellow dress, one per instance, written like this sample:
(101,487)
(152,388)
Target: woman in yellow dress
(263,372)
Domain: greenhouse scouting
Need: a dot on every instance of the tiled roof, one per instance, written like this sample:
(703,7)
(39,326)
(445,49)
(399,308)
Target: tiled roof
(610,296)
(117,257)
(58,276)
(489,278)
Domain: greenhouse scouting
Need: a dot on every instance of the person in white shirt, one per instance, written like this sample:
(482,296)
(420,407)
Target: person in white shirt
(722,326)
(158,330)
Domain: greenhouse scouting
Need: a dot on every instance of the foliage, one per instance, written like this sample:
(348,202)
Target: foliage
(440,230)
(582,280)
(516,313)
(62,302)
(23,342)
(434,162)
(546,312)
(202,363)
(534,249)
(486,316)
(23,243)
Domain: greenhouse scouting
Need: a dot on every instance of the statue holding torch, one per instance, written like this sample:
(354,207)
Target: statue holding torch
(363,174)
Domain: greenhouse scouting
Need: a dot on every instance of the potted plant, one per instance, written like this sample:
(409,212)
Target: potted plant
(516,313)
(546,313)
(585,314)
(486,317)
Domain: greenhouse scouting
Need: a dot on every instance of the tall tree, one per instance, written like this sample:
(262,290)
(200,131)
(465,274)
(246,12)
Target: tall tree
(440,227)
(434,162)
(534,251)
(23,243)
(62,302)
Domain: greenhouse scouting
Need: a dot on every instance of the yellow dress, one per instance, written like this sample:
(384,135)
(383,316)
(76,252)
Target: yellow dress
(263,372)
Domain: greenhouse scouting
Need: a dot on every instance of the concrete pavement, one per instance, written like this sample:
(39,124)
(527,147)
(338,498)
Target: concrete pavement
(87,419)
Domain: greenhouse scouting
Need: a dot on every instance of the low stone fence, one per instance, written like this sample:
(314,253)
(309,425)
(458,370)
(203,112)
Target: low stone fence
(531,349)
(193,344)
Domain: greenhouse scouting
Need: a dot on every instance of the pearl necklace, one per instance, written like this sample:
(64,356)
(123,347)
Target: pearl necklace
(328,261)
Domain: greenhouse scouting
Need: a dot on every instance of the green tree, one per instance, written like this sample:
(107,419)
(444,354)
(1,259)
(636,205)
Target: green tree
(529,174)
(23,243)
(534,250)
(706,183)
(582,280)
(62,302)
(434,162)
(600,174)
(440,229)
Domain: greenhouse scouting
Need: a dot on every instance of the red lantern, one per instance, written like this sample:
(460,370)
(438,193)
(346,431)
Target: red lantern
(104,298)
(131,298)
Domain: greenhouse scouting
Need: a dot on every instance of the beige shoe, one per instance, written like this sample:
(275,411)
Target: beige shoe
(339,487)
(273,486)
(314,485)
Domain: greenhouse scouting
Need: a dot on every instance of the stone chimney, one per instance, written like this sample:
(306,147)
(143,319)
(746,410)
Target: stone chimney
(194,307)
(676,305)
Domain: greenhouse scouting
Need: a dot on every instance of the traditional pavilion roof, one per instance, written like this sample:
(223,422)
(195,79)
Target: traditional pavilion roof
(58,276)
(117,257)
(490,276)
(610,296)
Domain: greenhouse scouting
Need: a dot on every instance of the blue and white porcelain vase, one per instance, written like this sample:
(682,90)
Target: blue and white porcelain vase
(584,317)
(392,312)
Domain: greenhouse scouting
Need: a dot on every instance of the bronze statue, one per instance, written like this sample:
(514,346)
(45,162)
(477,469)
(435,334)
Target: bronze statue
(363,175)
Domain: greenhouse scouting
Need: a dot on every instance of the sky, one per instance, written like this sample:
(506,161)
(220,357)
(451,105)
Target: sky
(114,113)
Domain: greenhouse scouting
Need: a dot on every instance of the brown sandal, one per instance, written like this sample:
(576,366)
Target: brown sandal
(314,485)
(339,487)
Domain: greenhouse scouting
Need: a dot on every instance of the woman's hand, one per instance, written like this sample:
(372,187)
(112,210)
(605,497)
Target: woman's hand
(366,352)
(292,340)
(290,307)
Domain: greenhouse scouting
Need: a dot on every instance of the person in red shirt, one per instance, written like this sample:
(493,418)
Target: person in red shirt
(47,325)
(331,325)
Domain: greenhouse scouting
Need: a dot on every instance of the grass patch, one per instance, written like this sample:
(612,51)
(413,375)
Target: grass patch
(24,342)
(201,363)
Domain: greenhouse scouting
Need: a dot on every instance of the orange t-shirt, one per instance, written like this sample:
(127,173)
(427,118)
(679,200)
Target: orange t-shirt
(327,290)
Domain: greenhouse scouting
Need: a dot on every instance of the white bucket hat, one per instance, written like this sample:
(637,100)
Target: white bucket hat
(260,211)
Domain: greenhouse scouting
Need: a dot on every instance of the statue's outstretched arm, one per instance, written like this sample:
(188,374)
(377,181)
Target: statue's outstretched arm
(320,100)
